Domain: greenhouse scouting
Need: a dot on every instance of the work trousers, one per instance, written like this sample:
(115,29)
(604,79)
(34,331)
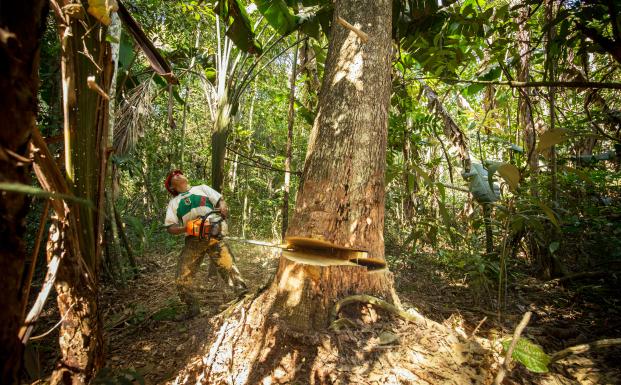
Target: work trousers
(190,261)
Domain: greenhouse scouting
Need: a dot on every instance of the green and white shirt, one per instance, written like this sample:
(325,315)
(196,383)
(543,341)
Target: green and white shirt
(194,203)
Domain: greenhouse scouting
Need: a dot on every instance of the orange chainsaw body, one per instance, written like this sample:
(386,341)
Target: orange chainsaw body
(193,228)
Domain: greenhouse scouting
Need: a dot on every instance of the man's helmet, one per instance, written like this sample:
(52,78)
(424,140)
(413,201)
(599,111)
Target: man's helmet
(167,183)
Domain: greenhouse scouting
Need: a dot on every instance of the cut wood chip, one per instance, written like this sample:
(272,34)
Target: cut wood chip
(320,252)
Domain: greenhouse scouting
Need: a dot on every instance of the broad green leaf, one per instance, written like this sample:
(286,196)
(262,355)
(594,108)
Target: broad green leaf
(278,15)
(550,138)
(550,214)
(240,30)
(511,174)
(529,354)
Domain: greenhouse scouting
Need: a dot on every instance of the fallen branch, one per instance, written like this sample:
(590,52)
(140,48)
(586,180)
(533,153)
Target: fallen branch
(583,348)
(504,368)
(584,275)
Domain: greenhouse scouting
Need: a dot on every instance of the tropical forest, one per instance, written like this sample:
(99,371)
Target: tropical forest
(310,192)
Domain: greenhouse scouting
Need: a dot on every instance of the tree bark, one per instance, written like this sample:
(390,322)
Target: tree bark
(341,198)
(81,340)
(21,26)
(525,112)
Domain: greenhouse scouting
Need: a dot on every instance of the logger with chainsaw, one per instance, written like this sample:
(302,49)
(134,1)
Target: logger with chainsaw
(199,212)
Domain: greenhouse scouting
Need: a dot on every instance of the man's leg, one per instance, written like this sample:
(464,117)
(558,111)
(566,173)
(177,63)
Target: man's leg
(222,257)
(187,266)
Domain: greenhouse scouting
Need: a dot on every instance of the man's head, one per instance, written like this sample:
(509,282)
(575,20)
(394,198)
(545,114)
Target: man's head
(176,182)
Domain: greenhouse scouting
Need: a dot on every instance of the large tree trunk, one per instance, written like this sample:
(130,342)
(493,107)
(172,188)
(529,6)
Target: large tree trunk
(21,26)
(282,335)
(341,198)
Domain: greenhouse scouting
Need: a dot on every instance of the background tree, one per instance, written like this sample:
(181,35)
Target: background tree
(21,26)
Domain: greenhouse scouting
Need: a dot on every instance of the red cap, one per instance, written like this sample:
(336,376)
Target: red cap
(169,178)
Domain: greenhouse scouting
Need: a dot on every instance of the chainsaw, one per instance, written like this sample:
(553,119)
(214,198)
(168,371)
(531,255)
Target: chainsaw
(303,250)
(205,227)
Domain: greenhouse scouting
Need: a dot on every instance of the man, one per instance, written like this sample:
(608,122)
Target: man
(188,203)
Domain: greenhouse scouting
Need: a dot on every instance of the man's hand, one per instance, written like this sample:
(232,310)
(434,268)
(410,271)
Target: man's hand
(176,229)
(224,209)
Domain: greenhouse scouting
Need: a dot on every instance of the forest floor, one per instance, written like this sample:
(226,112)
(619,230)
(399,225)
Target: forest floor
(144,340)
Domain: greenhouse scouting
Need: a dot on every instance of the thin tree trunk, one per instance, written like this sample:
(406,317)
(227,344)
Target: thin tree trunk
(411,184)
(290,122)
(551,76)
(85,62)
(126,244)
(21,26)
(525,112)
(341,198)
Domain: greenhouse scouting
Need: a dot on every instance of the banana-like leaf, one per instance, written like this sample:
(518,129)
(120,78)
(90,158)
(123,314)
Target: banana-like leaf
(239,30)
(278,15)
(529,354)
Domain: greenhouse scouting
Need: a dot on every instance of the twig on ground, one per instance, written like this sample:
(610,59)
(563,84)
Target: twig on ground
(474,332)
(504,368)
(582,348)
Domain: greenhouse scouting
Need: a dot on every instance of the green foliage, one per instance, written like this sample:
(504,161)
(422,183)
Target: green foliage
(239,29)
(530,355)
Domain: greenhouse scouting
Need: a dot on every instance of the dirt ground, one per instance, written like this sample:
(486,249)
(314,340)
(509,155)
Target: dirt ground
(146,344)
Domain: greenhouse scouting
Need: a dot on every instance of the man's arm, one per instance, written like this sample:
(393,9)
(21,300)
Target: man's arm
(176,229)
